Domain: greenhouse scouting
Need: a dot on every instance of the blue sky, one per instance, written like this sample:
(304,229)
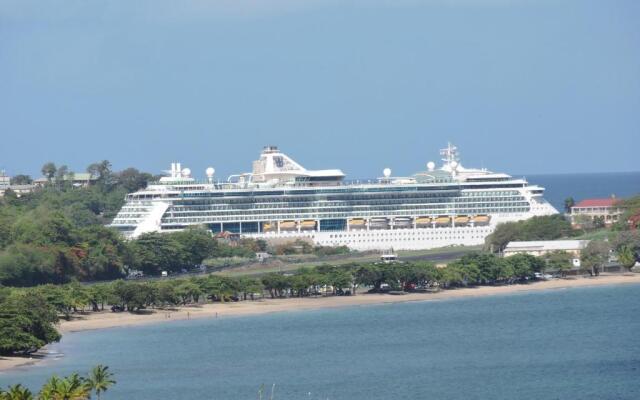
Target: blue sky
(519,86)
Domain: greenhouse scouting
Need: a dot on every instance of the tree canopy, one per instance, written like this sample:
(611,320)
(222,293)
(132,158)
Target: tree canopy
(549,227)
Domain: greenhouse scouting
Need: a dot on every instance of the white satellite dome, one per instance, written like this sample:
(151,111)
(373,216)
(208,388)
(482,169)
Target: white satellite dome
(454,164)
(431,165)
(210,171)
(186,172)
(386,172)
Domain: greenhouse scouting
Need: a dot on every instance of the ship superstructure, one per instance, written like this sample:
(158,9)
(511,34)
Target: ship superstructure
(449,205)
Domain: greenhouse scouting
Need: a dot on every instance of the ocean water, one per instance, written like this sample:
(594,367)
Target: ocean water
(582,186)
(560,344)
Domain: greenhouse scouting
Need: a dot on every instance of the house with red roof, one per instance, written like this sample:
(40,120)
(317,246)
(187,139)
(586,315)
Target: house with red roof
(595,212)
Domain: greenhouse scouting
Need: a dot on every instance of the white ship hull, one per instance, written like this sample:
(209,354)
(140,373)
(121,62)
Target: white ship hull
(398,239)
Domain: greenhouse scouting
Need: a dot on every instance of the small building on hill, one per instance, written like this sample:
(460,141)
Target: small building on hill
(595,212)
(77,179)
(21,190)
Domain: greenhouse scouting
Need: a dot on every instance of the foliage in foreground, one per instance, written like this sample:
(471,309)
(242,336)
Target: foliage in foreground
(72,387)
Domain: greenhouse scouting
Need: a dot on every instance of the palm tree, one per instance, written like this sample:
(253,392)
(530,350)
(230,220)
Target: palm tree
(49,170)
(72,387)
(49,389)
(627,257)
(569,202)
(16,392)
(100,379)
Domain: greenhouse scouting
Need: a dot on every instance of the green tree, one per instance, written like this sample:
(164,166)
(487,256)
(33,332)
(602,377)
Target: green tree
(558,261)
(133,296)
(627,245)
(166,293)
(195,245)
(524,265)
(131,179)
(424,274)
(276,284)
(218,287)
(102,171)
(249,287)
(502,235)
(627,257)
(73,387)
(450,276)
(100,379)
(569,202)
(78,295)
(61,173)
(187,292)
(370,275)
(156,252)
(549,227)
(339,278)
(16,392)
(49,170)
(27,322)
(594,256)
(21,179)
(24,265)
(103,253)
(98,295)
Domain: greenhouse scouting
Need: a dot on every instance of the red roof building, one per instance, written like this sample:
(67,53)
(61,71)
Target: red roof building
(591,203)
(595,212)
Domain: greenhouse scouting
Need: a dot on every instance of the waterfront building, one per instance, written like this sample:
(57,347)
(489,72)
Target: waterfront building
(542,247)
(280,199)
(594,212)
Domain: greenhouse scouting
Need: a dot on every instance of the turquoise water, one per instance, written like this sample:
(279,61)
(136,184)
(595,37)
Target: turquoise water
(561,344)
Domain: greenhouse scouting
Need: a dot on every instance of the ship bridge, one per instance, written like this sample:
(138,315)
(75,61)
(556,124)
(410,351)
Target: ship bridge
(276,167)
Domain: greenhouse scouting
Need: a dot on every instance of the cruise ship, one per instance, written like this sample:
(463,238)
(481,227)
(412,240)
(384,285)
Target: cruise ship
(280,199)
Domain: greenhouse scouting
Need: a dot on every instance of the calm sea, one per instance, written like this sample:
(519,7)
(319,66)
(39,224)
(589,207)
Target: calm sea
(561,344)
(583,186)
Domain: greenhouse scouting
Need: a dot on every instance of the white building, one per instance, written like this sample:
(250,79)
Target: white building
(5,181)
(541,247)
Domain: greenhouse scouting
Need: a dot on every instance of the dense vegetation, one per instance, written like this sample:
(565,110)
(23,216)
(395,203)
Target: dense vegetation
(72,387)
(537,228)
(57,234)
(630,218)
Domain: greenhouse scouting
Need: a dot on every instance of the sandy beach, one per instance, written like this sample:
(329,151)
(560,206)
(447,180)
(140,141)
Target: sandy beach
(108,319)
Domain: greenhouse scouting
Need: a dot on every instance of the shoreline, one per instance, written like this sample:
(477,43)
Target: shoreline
(108,319)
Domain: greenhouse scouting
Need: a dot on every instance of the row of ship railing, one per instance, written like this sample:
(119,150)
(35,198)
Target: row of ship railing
(222,185)
(377,223)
